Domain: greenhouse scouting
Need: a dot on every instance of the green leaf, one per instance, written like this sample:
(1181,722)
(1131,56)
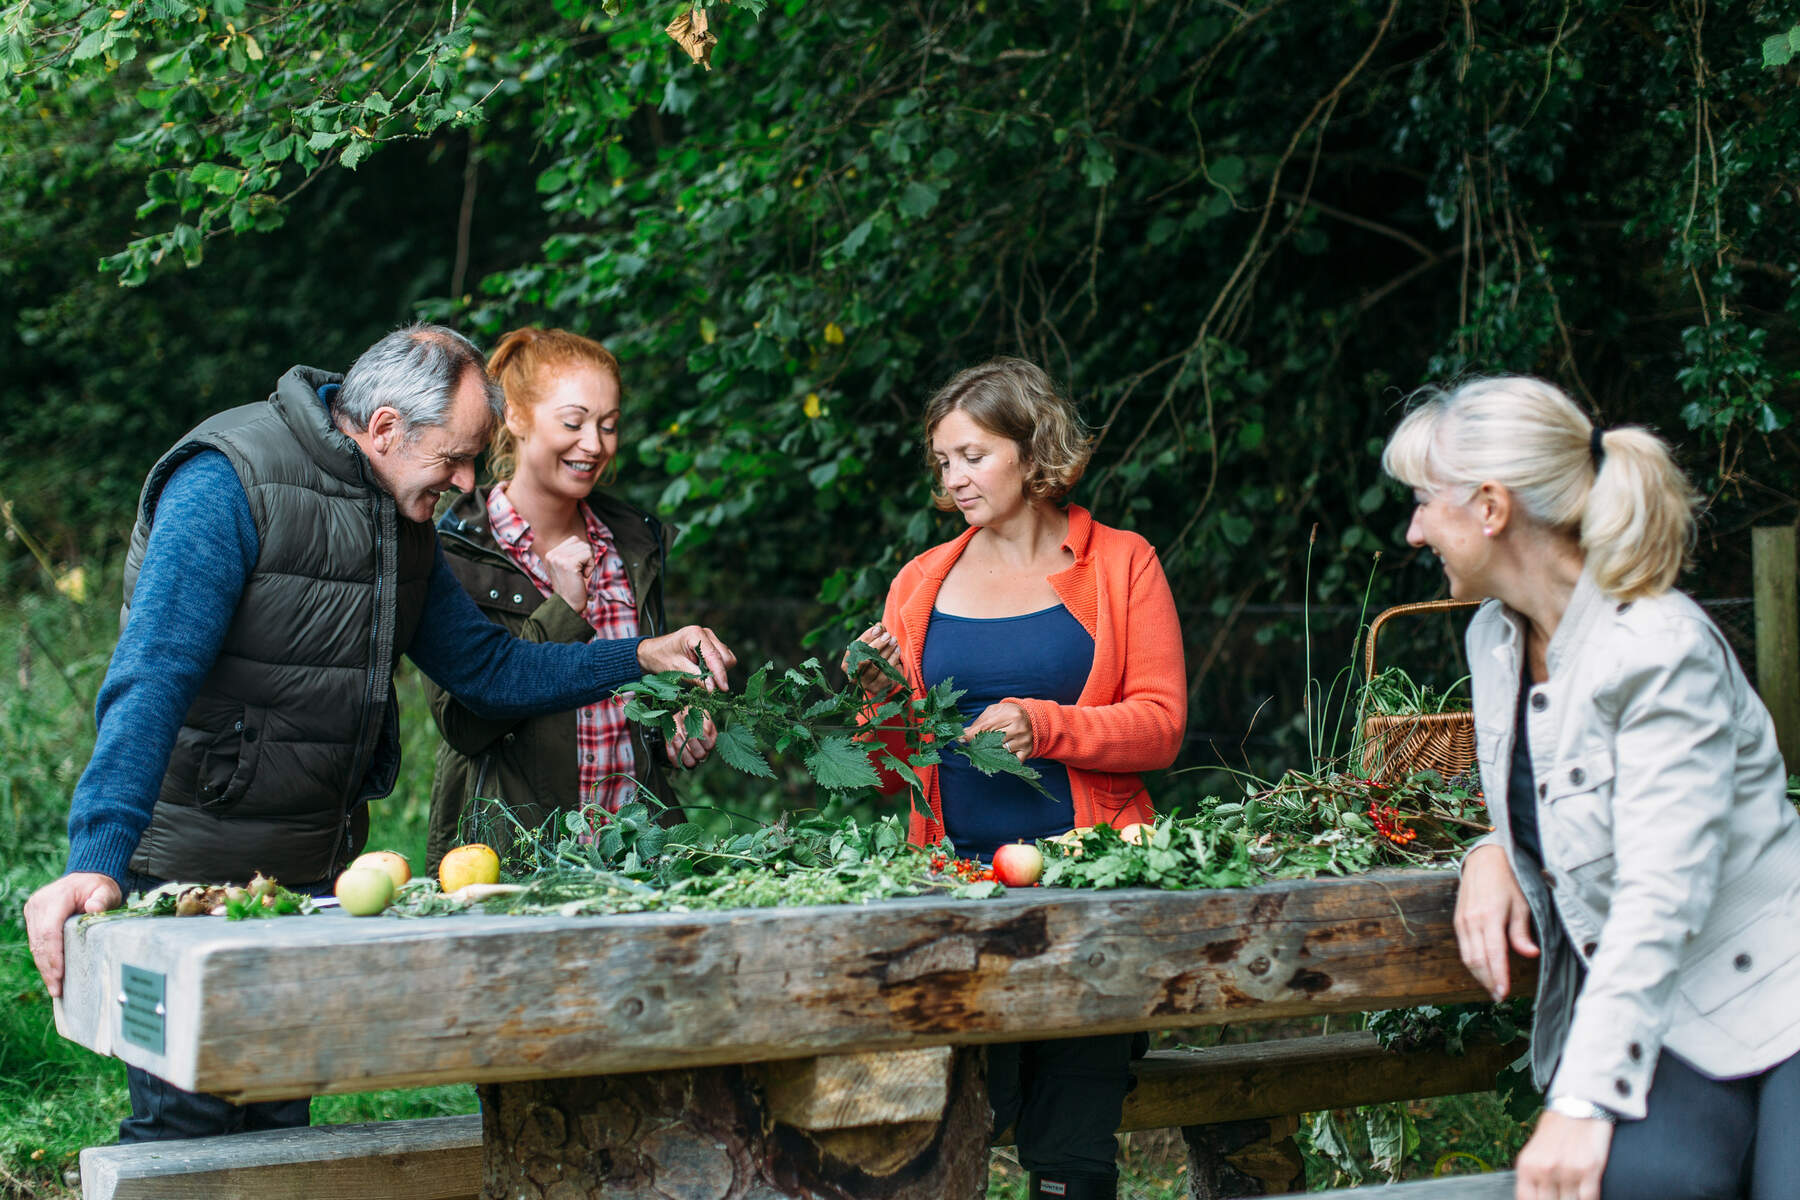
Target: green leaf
(1777,49)
(1097,166)
(1227,172)
(853,241)
(917,199)
(900,768)
(738,747)
(841,764)
(355,152)
(987,753)
(860,652)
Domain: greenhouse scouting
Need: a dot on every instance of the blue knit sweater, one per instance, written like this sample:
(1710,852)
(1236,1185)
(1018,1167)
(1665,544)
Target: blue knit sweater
(202,548)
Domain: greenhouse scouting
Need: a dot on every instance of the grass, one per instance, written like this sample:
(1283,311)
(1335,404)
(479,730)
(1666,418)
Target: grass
(56,1098)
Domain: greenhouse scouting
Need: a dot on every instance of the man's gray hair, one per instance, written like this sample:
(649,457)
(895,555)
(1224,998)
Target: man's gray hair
(415,371)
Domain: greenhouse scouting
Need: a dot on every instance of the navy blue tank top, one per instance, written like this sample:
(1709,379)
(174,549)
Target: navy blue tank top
(1044,655)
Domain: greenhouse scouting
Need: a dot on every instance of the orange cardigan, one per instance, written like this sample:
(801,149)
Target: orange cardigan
(1133,711)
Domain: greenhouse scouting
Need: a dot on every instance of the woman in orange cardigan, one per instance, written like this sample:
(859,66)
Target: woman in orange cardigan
(1064,633)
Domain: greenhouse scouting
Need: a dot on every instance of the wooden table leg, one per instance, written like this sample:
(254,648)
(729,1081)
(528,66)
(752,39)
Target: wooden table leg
(1244,1158)
(709,1134)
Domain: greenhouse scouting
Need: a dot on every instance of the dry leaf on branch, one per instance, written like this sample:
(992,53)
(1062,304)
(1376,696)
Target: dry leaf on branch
(691,34)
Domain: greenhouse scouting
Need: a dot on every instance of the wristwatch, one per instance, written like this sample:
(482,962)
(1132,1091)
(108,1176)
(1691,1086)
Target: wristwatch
(1581,1110)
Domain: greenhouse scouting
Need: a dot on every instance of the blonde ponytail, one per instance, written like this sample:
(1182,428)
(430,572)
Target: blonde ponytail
(1629,504)
(1637,525)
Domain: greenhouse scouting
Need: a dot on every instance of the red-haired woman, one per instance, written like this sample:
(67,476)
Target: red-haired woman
(553,559)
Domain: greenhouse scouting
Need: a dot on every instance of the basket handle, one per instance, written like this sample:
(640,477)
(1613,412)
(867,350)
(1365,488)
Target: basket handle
(1401,610)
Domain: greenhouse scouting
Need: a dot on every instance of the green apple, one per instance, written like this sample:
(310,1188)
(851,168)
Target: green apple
(364,891)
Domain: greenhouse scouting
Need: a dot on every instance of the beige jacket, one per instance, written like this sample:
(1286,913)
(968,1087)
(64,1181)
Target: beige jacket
(1672,855)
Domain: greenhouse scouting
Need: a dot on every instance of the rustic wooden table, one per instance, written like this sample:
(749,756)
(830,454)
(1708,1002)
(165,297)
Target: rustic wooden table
(615,1052)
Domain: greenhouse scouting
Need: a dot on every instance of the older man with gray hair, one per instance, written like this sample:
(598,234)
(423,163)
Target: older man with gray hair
(282,560)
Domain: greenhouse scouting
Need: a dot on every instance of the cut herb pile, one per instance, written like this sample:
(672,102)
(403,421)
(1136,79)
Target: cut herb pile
(1328,823)
(1301,826)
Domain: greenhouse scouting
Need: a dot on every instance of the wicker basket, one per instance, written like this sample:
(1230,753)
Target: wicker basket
(1396,745)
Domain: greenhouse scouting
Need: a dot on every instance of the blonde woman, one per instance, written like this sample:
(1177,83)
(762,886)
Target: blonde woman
(1643,846)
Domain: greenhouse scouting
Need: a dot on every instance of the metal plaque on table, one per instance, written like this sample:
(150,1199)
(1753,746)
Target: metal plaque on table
(141,1010)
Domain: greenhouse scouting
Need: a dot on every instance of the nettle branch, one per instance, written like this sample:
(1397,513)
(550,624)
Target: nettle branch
(844,739)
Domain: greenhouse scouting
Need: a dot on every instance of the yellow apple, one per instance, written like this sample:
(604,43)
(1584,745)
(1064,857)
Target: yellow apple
(473,863)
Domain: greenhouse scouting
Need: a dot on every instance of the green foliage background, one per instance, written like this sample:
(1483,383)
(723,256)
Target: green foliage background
(1240,233)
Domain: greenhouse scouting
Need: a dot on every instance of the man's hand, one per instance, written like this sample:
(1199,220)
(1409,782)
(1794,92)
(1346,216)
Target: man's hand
(874,683)
(570,563)
(1564,1159)
(688,752)
(55,903)
(1013,721)
(683,650)
(1491,915)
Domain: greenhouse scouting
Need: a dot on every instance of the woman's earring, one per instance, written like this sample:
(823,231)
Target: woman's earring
(1487,531)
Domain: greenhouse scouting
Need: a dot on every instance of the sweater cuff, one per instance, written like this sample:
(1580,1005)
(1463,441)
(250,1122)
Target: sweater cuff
(616,661)
(103,850)
(1038,713)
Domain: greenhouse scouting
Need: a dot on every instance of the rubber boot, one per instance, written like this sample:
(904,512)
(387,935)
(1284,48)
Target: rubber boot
(1068,1185)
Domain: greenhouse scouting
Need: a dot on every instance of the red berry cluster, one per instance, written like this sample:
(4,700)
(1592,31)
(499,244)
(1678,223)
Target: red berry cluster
(965,869)
(1388,823)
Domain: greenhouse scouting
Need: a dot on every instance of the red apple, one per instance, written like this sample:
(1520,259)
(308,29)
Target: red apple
(1018,865)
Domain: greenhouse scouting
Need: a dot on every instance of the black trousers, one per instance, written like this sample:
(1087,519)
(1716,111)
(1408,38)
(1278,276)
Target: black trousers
(1710,1139)
(162,1112)
(1063,1097)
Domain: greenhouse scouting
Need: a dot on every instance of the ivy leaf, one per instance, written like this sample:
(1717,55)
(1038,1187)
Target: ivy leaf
(841,764)
(737,746)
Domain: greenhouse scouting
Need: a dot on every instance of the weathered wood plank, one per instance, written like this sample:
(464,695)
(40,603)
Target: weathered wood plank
(1300,1075)
(1778,633)
(333,1003)
(842,1091)
(434,1158)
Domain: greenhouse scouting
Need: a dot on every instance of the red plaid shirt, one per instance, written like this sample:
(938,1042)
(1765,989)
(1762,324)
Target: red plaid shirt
(602,738)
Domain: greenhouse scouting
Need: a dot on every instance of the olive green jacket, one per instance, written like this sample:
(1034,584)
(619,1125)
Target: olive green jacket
(530,762)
